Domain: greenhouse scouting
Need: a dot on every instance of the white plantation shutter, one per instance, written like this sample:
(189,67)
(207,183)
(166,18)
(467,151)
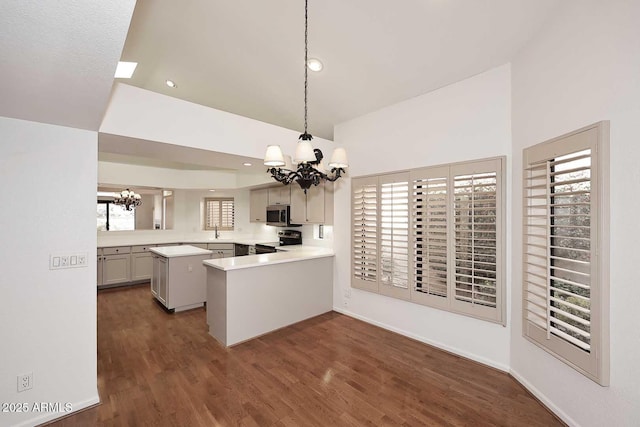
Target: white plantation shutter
(227,213)
(477,228)
(394,235)
(364,235)
(430,213)
(563,292)
(220,212)
(434,236)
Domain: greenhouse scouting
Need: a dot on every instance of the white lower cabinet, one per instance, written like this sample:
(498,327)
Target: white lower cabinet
(221,250)
(99,269)
(141,263)
(115,269)
(123,265)
(116,265)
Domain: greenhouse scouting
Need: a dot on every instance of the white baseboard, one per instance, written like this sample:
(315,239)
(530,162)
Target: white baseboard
(437,344)
(48,417)
(544,399)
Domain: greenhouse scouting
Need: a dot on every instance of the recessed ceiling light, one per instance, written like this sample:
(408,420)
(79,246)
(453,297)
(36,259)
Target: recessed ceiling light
(246,164)
(171,84)
(125,70)
(314,64)
(212,190)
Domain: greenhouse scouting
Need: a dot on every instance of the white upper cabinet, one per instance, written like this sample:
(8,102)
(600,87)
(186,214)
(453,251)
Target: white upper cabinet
(280,195)
(258,202)
(315,207)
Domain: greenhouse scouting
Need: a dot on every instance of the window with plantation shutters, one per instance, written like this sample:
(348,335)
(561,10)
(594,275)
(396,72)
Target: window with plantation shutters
(433,236)
(364,238)
(218,212)
(394,235)
(565,286)
(477,233)
(430,213)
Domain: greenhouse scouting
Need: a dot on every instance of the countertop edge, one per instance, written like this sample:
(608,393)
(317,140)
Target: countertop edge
(187,250)
(262,260)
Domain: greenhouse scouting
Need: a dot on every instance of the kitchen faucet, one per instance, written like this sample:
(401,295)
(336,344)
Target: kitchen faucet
(215,228)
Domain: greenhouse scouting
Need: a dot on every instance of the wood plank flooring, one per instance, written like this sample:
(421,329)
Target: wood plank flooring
(161,369)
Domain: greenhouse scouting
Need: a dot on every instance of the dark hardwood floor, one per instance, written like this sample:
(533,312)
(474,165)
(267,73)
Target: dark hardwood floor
(161,369)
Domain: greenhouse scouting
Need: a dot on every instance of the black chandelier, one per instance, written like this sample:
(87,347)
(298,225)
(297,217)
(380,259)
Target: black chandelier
(128,200)
(309,168)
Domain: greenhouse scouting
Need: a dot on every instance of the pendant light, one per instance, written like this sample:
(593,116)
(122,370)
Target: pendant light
(309,169)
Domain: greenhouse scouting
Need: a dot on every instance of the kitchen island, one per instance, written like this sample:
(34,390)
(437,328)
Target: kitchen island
(252,295)
(178,277)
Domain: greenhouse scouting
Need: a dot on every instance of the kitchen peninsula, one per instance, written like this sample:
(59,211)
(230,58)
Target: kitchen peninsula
(253,295)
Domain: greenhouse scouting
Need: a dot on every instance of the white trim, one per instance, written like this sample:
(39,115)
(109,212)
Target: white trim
(544,399)
(48,417)
(437,344)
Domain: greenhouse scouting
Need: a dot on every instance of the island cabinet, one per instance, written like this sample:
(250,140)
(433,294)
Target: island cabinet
(258,202)
(314,207)
(280,195)
(178,278)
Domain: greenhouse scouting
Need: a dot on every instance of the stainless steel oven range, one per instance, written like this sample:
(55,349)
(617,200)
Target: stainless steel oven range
(285,238)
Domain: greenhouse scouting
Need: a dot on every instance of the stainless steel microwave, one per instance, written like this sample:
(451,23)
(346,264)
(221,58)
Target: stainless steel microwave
(278,215)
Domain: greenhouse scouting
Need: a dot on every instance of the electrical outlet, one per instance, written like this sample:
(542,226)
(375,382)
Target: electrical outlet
(25,382)
(347,293)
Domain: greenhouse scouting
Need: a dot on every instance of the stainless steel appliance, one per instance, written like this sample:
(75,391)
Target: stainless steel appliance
(280,216)
(265,248)
(241,249)
(285,238)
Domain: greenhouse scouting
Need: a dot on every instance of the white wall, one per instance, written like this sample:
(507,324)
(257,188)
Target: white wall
(465,121)
(585,67)
(139,113)
(48,319)
(111,173)
(190,205)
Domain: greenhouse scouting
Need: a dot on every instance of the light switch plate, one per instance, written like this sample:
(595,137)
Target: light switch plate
(58,261)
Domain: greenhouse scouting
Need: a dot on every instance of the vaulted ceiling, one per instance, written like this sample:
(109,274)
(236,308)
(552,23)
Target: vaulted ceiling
(247,56)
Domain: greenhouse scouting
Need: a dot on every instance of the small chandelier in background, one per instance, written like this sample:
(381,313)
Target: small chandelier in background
(128,199)
(310,169)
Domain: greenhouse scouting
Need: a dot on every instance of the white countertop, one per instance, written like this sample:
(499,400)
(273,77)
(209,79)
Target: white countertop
(105,243)
(291,254)
(296,248)
(177,251)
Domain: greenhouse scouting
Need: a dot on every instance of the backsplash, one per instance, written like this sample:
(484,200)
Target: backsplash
(256,232)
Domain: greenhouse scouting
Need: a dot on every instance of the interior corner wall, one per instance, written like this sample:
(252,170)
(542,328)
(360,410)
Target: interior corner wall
(48,319)
(464,121)
(584,67)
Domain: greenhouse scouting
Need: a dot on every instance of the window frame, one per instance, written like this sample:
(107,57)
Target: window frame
(108,204)
(448,303)
(595,363)
(220,201)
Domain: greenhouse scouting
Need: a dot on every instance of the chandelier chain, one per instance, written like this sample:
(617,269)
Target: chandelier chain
(308,171)
(306,36)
